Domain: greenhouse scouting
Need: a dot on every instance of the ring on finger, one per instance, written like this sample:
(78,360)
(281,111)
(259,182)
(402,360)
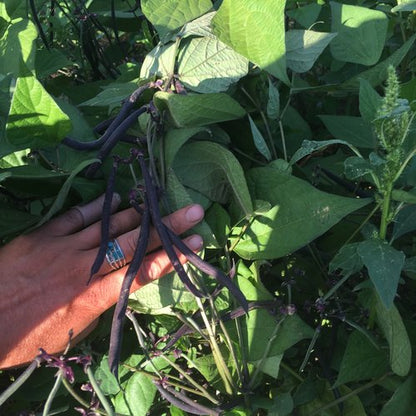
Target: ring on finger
(114,255)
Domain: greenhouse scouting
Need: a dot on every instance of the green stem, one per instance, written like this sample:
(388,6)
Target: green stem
(385,212)
(52,394)
(101,397)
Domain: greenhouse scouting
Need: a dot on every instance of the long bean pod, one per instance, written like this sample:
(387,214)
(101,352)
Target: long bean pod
(151,197)
(121,307)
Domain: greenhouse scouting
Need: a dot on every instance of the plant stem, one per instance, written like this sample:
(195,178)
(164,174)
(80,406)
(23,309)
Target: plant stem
(101,397)
(52,394)
(385,212)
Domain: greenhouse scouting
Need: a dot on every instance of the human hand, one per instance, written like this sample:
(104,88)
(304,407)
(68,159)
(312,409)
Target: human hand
(43,276)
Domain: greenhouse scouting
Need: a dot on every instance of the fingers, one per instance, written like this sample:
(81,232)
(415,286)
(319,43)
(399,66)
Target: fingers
(78,217)
(179,222)
(155,265)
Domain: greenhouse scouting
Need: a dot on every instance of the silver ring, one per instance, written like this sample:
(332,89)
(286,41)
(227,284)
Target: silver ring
(114,255)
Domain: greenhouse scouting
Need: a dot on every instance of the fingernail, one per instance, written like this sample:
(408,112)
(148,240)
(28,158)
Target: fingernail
(194,213)
(195,242)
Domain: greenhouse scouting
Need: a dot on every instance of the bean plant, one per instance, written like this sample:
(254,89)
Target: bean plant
(293,124)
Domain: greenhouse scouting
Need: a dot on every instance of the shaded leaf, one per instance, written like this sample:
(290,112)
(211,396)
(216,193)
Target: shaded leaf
(259,141)
(347,260)
(405,221)
(305,15)
(159,62)
(215,172)
(361,33)
(360,350)
(303,48)
(391,324)
(402,403)
(238,22)
(199,110)
(370,101)
(273,102)
(384,265)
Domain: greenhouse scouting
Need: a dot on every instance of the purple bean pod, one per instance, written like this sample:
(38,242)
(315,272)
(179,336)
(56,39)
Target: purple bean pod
(121,307)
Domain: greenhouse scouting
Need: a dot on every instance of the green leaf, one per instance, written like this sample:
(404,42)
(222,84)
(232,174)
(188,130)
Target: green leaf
(347,260)
(159,62)
(384,265)
(35,120)
(354,130)
(137,397)
(405,221)
(255,30)
(303,48)
(391,324)
(161,296)
(213,171)
(113,95)
(17,48)
(178,197)
(306,15)
(106,379)
(370,101)
(410,265)
(404,6)
(297,222)
(175,139)
(63,193)
(273,102)
(360,350)
(402,403)
(361,33)
(49,61)
(207,65)
(310,146)
(219,221)
(169,15)
(199,110)
(404,196)
(356,167)
(199,27)
(376,75)
(14,159)
(259,141)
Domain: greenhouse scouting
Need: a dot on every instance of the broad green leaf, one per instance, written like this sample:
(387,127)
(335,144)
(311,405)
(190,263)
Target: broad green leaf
(178,197)
(14,159)
(361,33)
(347,260)
(207,65)
(351,406)
(310,146)
(356,167)
(410,265)
(106,379)
(215,172)
(199,110)
(306,15)
(255,30)
(370,101)
(303,48)
(354,130)
(14,8)
(63,193)
(162,296)
(113,95)
(404,6)
(17,48)
(405,221)
(404,196)
(35,120)
(169,15)
(384,264)
(159,62)
(402,403)
(391,324)
(360,350)
(137,397)
(175,139)
(49,61)
(273,102)
(219,221)
(376,75)
(199,27)
(259,141)
(298,221)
